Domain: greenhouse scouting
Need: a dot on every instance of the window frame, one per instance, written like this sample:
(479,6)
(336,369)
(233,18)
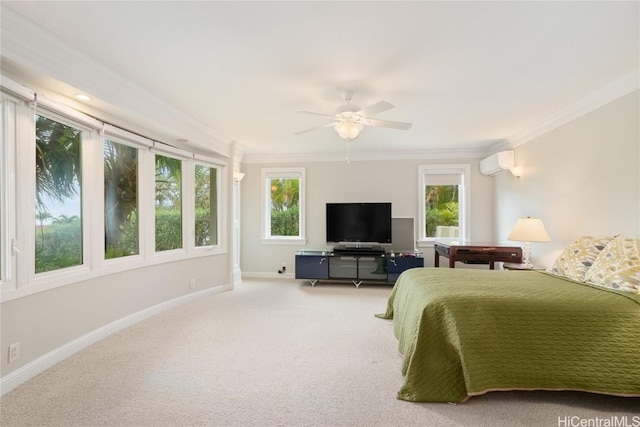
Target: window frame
(88,143)
(185,180)
(8,106)
(142,145)
(283,173)
(461,169)
(219,177)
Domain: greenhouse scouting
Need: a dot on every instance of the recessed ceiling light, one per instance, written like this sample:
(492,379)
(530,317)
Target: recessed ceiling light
(83,97)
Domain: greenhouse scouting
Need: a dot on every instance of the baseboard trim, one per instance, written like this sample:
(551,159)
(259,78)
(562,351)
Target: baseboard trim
(41,364)
(266,275)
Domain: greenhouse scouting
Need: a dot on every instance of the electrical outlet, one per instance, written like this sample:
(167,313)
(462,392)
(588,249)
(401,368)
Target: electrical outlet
(192,283)
(283,268)
(14,352)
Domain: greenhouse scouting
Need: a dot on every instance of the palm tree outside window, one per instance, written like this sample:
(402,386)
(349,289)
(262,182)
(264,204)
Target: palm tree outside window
(58,218)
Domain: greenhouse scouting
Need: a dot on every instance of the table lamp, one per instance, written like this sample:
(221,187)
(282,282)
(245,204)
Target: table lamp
(528,230)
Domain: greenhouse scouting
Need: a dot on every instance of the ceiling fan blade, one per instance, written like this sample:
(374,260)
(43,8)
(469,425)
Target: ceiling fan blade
(376,108)
(315,128)
(318,114)
(386,124)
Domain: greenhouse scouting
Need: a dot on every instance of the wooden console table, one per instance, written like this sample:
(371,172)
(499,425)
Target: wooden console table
(475,253)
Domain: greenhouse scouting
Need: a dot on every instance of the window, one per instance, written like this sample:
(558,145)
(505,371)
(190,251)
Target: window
(168,203)
(206,206)
(444,201)
(284,204)
(54,214)
(120,200)
(58,207)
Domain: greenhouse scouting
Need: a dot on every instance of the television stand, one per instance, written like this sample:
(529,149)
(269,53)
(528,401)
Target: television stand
(355,266)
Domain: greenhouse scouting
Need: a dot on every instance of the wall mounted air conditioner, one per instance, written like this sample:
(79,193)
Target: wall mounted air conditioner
(496,163)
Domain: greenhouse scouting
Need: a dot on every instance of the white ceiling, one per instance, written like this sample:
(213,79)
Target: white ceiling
(467,74)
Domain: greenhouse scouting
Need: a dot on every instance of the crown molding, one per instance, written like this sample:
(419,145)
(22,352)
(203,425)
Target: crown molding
(624,85)
(33,48)
(463,153)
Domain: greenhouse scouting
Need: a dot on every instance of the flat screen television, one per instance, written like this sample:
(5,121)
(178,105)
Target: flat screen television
(359,222)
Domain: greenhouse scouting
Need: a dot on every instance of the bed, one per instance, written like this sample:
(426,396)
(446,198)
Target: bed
(465,332)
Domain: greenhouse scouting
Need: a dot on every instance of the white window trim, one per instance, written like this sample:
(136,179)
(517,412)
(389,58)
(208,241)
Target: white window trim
(268,174)
(464,214)
(89,144)
(169,151)
(7,194)
(24,200)
(124,137)
(62,112)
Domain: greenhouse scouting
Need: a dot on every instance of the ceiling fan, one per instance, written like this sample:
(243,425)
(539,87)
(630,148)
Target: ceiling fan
(350,119)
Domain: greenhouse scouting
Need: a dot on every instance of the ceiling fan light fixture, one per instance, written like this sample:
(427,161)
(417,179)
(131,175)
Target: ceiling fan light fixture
(348,129)
(349,120)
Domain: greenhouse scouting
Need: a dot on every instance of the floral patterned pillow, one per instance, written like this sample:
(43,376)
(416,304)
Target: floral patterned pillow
(617,266)
(577,258)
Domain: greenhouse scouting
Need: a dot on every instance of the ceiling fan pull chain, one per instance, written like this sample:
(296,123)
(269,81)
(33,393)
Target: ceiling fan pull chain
(348,151)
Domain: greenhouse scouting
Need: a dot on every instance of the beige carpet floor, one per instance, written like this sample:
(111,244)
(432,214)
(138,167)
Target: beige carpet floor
(270,353)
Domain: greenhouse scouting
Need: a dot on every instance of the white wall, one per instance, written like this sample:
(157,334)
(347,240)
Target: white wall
(582,178)
(394,181)
(49,320)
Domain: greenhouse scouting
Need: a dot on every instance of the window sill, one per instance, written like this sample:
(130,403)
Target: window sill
(283,241)
(428,243)
(425,243)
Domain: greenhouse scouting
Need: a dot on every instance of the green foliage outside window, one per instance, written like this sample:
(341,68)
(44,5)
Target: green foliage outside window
(168,230)
(120,200)
(285,207)
(441,207)
(168,203)
(206,206)
(59,245)
(58,172)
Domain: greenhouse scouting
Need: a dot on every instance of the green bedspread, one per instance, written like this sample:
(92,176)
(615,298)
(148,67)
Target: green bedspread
(465,332)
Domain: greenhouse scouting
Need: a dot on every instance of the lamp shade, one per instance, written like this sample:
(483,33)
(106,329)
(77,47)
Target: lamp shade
(348,129)
(529,230)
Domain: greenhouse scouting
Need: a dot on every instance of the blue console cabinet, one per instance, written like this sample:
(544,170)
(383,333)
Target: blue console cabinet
(312,265)
(398,264)
(355,267)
